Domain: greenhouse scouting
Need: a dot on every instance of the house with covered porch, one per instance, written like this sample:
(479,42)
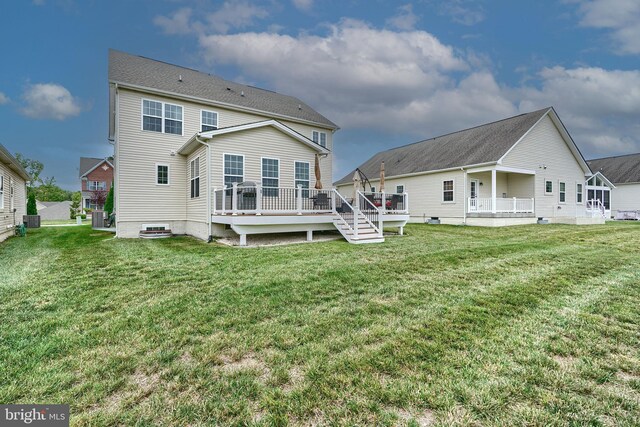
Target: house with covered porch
(199,155)
(509,172)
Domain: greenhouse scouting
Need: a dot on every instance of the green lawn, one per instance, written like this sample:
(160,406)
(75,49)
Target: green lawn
(531,325)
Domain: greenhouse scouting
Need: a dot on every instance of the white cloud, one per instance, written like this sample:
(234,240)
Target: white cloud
(304,5)
(462,13)
(621,17)
(177,23)
(405,19)
(49,101)
(231,15)
(4,99)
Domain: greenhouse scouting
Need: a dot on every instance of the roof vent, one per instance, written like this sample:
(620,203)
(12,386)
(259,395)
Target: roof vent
(228,88)
(299,106)
(180,78)
(241,93)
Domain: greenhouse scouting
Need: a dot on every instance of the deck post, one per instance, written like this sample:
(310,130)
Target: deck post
(299,199)
(258,199)
(214,201)
(333,200)
(234,199)
(406,202)
(356,214)
(243,240)
(515,207)
(383,200)
(224,200)
(493,191)
(309,235)
(400,231)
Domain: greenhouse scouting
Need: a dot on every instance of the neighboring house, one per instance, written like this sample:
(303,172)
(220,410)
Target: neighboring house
(181,136)
(624,173)
(13,193)
(96,176)
(50,211)
(508,172)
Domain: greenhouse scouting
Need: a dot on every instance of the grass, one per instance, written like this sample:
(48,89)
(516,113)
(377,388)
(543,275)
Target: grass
(531,325)
(64,221)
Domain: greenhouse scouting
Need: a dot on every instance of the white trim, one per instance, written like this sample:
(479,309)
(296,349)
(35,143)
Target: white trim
(294,172)
(547,193)
(453,191)
(12,194)
(502,169)
(403,189)
(209,111)
(561,192)
(243,165)
(163,119)
(233,107)
(604,178)
(477,182)
(96,166)
(1,192)
(193,178)
(320,133)
(262,171)
(168,174)
(523,137)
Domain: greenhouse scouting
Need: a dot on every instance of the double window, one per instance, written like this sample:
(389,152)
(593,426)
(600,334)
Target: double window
(161,117)
(270,176)
(579,193)
(233,169)
(195,177)
(162,174)
(447,191)
(97,186)
(319,138)
(302,176)
(208,120)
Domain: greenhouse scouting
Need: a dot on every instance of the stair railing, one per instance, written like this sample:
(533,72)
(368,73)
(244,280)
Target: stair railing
(346,212)
(370,212)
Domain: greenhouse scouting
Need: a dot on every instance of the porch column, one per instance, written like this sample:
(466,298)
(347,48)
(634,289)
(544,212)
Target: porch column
(493,191)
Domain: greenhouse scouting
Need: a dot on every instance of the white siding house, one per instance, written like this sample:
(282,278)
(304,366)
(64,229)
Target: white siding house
(509,172)
(13,193)
(181,137)
(622,192)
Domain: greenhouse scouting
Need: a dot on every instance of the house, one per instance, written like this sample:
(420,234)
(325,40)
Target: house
(622,193)
(13,193)
(508,172)
(203,156)
(54,211)
(96,176)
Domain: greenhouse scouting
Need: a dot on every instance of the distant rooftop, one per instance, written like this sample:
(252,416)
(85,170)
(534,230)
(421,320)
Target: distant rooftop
(149,73)
(618,169)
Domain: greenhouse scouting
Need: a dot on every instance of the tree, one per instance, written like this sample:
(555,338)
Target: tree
(98,197)
(33,168)
(108,205)
(48,191)
(76,199)
(32,209)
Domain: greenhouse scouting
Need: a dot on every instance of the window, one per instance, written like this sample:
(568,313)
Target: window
(270,176)
(320,138)
(548,187)
(447,191)
(195,178)
(302,176)
(97,186)
(162,174)
(562,187)
(208,120)
(161,117)
(90,204)
(1,192)
(233,169)
(578,193)
(399,189)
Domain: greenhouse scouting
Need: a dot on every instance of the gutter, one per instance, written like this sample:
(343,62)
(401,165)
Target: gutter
(209,222)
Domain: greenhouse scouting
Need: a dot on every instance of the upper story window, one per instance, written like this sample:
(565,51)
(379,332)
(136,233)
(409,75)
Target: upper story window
(208,120)
(320,138)
(233,169)
(195,177)
(161,117)
(447,191)
(97,186)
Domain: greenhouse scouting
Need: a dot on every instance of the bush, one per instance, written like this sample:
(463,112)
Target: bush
(108,204)
(32,209)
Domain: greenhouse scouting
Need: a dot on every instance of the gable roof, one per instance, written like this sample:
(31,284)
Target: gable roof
(88,164)
(7,158)
(196,140)
(618,169)
(156,76)
(474,146)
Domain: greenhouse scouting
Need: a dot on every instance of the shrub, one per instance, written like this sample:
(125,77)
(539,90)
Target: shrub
(108,204)
(32,209)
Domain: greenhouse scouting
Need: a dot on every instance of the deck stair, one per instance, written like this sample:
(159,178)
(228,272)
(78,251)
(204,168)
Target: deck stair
(357,226)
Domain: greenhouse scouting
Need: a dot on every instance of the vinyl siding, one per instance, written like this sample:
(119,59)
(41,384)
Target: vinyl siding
(625,197)
(19,201)
(138,197)
(544,146)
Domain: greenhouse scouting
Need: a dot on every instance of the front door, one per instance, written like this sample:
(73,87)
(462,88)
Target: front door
(473,201)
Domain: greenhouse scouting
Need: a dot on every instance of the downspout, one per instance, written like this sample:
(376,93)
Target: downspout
(464,198)
(209,165)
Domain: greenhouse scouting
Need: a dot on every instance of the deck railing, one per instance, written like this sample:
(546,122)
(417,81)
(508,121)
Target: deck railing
(370,211)
(258,200)
(389,203)
(501,205)
(347,212)
(596,208)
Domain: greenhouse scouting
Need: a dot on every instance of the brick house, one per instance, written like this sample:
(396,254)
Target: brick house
(96,176)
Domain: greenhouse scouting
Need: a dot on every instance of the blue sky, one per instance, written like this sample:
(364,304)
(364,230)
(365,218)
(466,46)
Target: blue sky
(389,73)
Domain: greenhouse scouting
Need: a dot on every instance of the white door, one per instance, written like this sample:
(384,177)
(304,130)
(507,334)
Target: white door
(473,199)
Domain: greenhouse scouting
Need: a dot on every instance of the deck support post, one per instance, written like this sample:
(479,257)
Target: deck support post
(243,240)
(493,191)
(258,199)
(213,196)
(299,199)
(234,199)
(309,235)
(401,231)
(224,200)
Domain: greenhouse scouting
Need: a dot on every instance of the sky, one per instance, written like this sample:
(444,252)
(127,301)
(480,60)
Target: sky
(388,73)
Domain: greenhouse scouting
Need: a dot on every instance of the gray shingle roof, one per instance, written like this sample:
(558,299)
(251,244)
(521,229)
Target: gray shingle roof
(148,73)
(618,169)
(482,144)
(7,158)
(88,163)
